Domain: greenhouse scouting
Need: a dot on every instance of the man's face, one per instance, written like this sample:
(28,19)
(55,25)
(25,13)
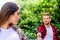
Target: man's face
(46,19)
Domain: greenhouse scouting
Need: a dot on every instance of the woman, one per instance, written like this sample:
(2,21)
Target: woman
(9,16)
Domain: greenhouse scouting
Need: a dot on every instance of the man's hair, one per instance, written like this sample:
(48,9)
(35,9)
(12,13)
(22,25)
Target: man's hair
(47,14)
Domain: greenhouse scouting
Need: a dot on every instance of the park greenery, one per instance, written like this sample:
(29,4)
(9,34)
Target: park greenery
(31,15)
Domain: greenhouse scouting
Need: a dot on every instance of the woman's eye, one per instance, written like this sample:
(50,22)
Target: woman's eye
(18,13)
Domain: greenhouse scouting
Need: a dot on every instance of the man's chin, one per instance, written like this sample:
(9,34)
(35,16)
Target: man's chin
(46,23)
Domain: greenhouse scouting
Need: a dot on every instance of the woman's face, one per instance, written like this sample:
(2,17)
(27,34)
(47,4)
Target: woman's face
(14,18)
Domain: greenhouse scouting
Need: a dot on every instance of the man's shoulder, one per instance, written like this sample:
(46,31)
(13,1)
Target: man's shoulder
(53,25)
(40,27)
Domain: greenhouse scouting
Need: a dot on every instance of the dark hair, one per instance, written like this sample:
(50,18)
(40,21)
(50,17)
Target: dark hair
(6,11)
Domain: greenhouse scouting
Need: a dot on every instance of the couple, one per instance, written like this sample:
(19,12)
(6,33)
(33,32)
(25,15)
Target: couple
(9,16)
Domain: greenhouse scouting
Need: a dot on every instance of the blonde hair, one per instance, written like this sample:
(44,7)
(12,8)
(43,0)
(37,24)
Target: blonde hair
(47,14)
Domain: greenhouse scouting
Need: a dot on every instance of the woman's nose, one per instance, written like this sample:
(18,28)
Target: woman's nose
(18,17)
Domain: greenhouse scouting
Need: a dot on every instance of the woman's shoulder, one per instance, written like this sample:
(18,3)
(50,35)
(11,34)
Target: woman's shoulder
(14,35)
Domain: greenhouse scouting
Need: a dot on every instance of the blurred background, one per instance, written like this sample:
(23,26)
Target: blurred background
(31,15)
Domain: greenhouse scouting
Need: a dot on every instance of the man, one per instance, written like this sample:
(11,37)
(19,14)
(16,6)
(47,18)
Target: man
(47,31)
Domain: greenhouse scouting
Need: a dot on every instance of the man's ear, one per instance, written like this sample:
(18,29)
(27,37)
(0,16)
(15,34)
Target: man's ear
(50,19)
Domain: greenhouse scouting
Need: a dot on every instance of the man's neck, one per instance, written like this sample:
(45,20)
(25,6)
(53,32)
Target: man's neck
(47,26)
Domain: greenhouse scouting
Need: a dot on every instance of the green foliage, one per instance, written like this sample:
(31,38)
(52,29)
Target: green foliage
(31,15)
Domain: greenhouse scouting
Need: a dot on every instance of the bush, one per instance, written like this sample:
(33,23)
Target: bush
(31,15)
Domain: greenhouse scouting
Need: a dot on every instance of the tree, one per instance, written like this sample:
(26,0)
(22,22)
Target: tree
(31,14)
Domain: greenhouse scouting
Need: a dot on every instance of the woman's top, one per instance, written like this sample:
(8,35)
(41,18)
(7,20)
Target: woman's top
(9,34)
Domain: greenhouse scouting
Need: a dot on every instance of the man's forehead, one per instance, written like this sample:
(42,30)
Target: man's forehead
(46,16)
